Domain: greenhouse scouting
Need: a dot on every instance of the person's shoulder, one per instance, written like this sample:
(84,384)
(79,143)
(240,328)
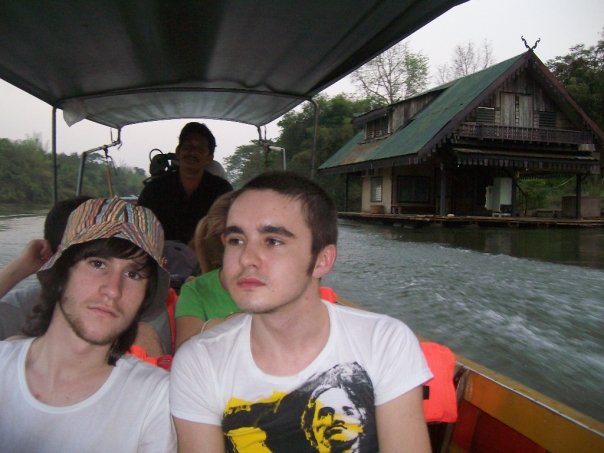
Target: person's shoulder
(10,349)
(367,321)
(220,336)
(159,182)
(222,185)
(140,373)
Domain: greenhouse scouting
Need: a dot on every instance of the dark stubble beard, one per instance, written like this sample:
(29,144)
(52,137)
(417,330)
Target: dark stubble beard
(78,327)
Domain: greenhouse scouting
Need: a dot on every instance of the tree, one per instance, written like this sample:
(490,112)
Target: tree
(26,174)
(246,162)
(582,73)
(467,59)
(393,75)
(296,137)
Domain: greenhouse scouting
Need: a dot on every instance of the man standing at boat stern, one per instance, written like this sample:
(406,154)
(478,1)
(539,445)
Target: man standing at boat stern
(179,199)
(69,388)
(295,373)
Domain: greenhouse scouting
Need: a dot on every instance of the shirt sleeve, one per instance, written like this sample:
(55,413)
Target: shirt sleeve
(401,365)
(194,392)
(159,435)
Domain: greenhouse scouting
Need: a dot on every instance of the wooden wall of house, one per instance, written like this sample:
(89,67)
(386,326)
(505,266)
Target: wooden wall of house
(467,188)
(366,203)
(426,171)
(522,101)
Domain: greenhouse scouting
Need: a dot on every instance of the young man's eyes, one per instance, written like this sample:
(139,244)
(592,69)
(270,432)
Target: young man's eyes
(101,264)
(233,241)
(269,241)
(135,275)
(272,242)
(97,263)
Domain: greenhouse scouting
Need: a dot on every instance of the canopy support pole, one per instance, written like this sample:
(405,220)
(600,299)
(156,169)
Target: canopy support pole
(103,148)
(313,158)
(55,182)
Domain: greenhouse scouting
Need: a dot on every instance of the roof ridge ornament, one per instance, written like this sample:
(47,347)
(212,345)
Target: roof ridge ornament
(527,46)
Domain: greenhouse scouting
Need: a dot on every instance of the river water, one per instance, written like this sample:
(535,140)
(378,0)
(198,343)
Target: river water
(526,303)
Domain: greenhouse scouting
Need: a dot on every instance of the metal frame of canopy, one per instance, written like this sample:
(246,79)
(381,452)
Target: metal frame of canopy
(119,63)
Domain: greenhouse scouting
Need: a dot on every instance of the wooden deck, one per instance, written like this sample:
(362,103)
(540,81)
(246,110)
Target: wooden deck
(416,220)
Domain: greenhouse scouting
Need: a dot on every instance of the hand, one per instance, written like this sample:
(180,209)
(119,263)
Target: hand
(31,259)
(34,255)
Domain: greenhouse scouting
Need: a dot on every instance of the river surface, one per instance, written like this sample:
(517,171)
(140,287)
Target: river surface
(526,303)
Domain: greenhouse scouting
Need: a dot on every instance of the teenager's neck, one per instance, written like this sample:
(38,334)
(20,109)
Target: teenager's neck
(286,342)
(61,351)
(62,373)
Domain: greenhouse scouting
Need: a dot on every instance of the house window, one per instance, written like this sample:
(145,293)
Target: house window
(485,115)
(376,189)
(413,189)
(547,119)
(376,128)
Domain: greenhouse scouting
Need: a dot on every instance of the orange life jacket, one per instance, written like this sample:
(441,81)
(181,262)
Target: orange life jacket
(164,361)
(440,401)
(328,294)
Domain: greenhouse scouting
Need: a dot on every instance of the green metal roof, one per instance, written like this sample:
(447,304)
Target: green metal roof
(430,125)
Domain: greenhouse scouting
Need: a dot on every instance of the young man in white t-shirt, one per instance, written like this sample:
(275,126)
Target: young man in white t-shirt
(295,373)
(69,387)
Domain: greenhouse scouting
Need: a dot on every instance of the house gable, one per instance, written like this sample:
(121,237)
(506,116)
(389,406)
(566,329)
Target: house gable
(428,126)
(516,93)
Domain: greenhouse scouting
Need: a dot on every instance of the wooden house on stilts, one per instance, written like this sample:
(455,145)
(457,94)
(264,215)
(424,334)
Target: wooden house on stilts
(460,148)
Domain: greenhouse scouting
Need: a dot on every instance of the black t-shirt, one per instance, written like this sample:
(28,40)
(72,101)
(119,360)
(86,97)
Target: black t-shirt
(177,212)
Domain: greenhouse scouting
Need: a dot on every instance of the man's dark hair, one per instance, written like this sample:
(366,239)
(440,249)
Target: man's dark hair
(198,128)
(56,219)
(54,280)
(318,208)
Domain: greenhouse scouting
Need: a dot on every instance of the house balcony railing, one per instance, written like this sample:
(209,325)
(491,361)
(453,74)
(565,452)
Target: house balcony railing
(525,134)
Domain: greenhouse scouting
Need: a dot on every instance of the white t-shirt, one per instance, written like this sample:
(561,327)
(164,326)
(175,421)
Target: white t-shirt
(368,360)
(129,413)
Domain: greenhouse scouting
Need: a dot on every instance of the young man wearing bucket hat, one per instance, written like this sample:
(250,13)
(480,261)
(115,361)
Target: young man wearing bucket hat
(69,388)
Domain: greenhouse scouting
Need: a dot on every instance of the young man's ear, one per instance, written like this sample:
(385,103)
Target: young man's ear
(325,261)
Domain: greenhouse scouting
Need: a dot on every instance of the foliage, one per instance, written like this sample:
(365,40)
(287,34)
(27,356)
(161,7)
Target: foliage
(582,73)
(247,161)
(467,59)
(547,193)
(296,137)
(26,174)
(395,74)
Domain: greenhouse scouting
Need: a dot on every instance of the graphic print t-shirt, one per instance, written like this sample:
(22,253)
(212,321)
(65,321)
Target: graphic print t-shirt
(368,360)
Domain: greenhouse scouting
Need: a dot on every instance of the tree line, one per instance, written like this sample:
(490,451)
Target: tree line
(26,174)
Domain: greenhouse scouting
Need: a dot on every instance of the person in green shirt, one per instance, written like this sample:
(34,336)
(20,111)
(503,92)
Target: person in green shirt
(204,298)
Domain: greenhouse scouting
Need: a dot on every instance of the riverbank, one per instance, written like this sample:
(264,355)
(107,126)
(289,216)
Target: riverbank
(416,220)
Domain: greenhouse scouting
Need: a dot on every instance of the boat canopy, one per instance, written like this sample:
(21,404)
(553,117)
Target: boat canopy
(119,62)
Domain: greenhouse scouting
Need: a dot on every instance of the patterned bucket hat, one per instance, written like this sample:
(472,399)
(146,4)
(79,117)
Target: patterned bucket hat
(103,218)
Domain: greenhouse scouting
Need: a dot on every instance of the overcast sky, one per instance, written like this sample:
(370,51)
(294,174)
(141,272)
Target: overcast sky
(559,23)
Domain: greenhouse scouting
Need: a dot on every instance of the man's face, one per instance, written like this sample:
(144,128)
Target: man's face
(194,152)
(337,422)
(267,252)
(102,297)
